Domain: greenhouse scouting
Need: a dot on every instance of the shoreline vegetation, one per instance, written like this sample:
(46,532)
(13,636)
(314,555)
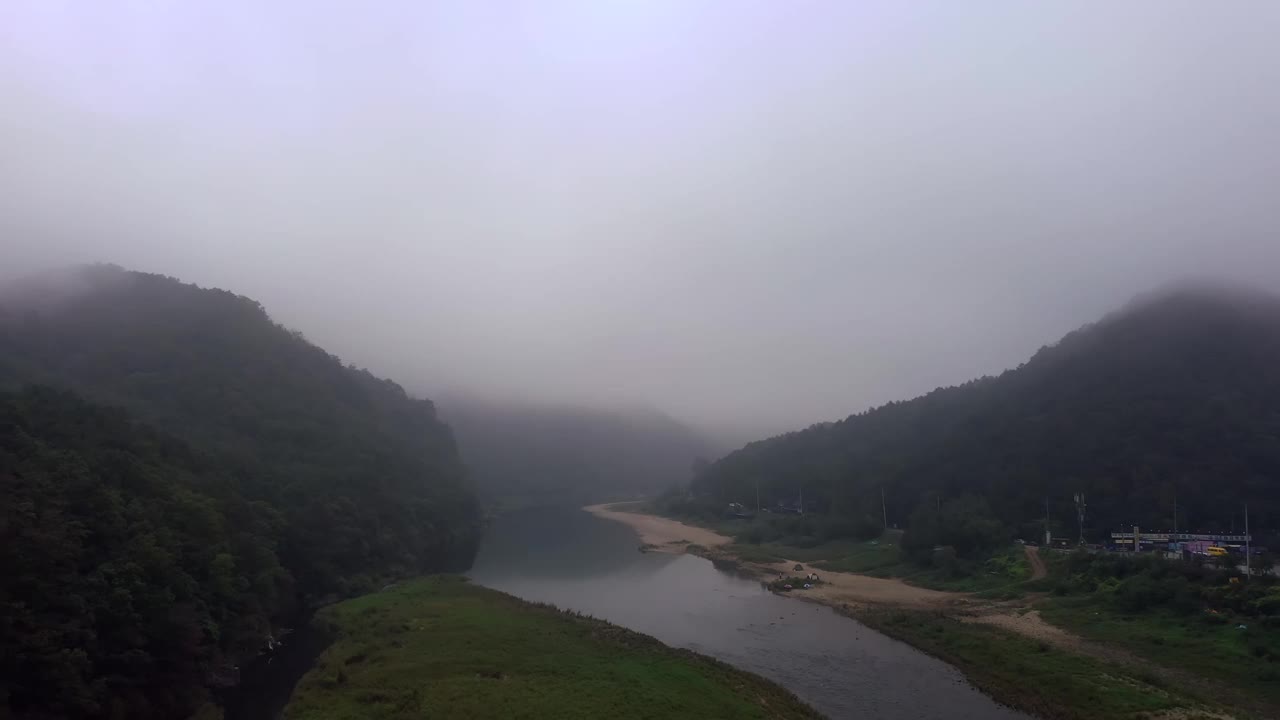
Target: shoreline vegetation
(989,628)
(441,646)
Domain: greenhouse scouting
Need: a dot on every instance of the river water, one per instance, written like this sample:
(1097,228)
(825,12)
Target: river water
(578,561)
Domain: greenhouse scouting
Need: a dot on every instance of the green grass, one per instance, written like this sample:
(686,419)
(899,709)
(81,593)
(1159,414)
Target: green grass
(1210,646)
(1031,675)
(773,552)
(999,577)
(880,557)
(442,647)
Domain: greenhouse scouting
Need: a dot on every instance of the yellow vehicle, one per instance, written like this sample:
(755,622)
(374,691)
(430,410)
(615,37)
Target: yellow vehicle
(1215,551)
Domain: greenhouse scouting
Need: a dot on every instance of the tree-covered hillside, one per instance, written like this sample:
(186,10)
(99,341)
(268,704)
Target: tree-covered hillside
(1175,396)
(338,479)
(134,572)
(542,454)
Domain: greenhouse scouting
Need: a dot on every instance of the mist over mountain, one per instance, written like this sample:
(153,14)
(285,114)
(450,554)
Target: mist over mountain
(531,453)
(1172,400)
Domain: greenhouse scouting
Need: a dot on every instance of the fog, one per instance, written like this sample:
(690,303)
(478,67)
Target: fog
(752,215)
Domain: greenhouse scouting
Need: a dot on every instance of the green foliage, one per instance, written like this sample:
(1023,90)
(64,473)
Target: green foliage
(678,502)
(1244,662)
(130,571)
(966,526)
(1173,397)
(1133,584)
(1187,615)
(441,647)
(138,562)
(804,531)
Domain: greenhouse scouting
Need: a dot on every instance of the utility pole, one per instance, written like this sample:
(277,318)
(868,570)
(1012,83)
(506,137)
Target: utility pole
(884,512)
(1247,571)
(1080,508)
(1048,538)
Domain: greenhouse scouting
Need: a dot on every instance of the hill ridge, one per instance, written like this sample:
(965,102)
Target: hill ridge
(1165,396)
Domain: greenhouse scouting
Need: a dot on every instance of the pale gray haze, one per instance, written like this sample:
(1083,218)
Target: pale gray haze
(752,215)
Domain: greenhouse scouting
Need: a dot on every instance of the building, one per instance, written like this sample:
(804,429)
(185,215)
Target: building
(1177,542)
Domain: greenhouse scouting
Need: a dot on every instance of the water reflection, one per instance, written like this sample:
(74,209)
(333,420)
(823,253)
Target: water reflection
(578,561)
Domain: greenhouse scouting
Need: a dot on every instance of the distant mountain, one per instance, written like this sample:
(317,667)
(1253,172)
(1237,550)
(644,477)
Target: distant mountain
(522,453)
(1173,399)
(304,478)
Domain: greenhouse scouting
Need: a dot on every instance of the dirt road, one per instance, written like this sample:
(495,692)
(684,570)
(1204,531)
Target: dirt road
(1038,570)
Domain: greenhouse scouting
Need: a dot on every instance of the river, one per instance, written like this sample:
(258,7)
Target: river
(578,561)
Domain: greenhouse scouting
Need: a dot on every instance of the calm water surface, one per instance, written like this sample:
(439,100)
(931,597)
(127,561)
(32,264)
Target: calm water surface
(578,561)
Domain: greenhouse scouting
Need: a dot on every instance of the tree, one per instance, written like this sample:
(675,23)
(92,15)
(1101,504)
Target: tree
(965,524)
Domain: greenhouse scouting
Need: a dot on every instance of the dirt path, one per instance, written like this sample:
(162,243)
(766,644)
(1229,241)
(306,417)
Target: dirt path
(1038,570)
(1030,624)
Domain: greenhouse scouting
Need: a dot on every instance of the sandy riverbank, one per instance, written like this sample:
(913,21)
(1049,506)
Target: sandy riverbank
(837,588)
(663,534)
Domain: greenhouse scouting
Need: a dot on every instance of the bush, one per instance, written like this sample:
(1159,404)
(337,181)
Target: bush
(862,528)
(1148,582)
(1146,592)
(966,524)
(944,558)
(1268,604)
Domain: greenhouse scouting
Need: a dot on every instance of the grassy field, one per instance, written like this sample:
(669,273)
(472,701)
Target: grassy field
(999,577)
(882,558)
(1215,647)
(442,647)
(1033,676)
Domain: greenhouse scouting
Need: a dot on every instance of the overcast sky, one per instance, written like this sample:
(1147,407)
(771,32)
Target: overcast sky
(749,214)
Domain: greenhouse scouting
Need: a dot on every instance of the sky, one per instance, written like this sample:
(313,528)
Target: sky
(751,215)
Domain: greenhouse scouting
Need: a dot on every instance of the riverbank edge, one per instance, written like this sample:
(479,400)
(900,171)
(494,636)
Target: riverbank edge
(431,607)
(885,617)
(985,654)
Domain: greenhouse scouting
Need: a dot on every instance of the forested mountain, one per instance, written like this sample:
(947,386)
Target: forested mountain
(1175,396)
(280,478)
(133,569)
(522,453)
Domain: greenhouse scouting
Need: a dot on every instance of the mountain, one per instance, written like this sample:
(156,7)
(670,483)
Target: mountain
(522,453)
(1174,399)
(213,430)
